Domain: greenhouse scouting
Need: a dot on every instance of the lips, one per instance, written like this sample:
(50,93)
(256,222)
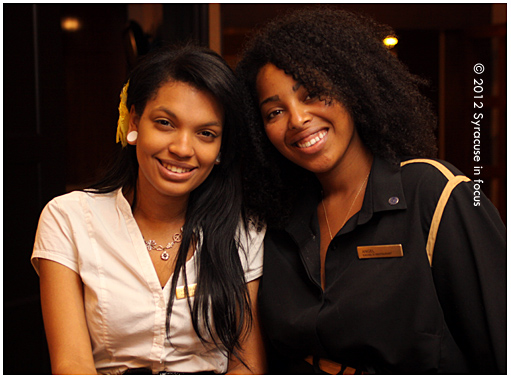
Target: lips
(311,139)
(175,169)
(181,169)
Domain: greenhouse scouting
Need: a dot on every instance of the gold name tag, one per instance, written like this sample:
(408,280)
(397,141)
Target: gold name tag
(181,294)
(380,251)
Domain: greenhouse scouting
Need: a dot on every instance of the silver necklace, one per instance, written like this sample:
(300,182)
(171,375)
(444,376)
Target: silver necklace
(349,210)
(151,245)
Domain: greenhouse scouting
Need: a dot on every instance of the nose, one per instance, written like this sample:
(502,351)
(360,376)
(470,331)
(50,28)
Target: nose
(181,144)
(299,116)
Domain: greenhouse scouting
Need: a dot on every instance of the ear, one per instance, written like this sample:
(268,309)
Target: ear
(133,123)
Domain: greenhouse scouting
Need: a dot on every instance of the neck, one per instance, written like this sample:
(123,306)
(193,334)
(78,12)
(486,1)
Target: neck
(153,207)
(163,212)
(349,173)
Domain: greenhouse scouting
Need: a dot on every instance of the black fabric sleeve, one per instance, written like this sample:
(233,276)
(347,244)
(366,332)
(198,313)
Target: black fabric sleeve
(469,268)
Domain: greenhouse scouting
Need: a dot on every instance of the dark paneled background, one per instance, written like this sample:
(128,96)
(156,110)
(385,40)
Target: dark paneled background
(61,91)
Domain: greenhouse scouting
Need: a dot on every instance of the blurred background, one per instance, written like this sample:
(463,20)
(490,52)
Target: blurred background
(65,64)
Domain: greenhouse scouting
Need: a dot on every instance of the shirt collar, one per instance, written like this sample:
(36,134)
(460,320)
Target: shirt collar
(384,192)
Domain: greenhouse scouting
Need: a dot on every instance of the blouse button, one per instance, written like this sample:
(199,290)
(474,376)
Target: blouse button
(161,303)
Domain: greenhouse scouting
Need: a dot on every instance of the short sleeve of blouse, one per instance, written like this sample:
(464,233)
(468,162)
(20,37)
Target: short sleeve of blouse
(252,251)
(54,239)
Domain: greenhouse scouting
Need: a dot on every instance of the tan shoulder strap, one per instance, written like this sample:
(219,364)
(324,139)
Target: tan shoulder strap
(453,181)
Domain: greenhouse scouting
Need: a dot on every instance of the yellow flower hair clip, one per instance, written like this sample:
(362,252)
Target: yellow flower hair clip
(124,117)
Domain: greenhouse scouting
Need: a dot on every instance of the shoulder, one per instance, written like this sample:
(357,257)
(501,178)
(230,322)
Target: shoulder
(76,203)
(431,183)
(68,198)
(79,196)
(251,248)
(430,175)
(435,169)
(68,203)
(251,233)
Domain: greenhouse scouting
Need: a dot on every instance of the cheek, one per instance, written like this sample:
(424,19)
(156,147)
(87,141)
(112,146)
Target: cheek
(275,135)
(207,154)
(149,141)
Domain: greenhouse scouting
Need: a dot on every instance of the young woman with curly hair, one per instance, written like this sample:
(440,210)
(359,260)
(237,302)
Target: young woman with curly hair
(376,259)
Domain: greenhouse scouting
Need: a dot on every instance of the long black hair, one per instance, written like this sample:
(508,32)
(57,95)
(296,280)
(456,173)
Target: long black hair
(338,54)
(214,208)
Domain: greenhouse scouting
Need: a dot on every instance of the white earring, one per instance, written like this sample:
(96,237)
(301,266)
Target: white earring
(217,160)
(132,136)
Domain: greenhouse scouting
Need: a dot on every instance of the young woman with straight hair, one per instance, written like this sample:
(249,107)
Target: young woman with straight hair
(155,268)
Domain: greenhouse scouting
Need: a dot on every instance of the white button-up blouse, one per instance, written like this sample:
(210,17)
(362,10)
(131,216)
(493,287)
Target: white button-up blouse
(96,236)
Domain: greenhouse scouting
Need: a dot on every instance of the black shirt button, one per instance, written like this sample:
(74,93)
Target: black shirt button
(394,200)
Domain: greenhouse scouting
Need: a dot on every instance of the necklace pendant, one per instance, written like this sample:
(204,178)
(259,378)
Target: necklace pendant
(164,256)
(151,245)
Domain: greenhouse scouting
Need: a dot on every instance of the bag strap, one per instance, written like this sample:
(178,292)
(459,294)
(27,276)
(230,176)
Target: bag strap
(452,182)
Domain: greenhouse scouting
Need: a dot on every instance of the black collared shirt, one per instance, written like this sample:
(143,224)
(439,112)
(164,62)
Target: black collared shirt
(390,315)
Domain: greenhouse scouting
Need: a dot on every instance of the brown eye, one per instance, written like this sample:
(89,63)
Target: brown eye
(207,133)
(163,122)
(273,114)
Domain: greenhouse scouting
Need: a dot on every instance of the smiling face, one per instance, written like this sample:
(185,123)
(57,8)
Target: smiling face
(316,134)
(179,138)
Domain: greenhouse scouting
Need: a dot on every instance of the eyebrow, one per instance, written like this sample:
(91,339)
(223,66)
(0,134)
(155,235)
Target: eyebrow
(166,110)
(271,98)
(173,115)
(276,97)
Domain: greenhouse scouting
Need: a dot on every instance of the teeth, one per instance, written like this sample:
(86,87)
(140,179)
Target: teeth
(313,141)
(176,169)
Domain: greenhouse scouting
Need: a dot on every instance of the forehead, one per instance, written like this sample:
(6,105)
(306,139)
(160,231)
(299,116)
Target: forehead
(176,89)
(271,78)
(186,97)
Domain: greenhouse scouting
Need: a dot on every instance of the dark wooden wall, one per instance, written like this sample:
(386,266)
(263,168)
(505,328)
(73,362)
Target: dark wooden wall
(61,92)
(34,166)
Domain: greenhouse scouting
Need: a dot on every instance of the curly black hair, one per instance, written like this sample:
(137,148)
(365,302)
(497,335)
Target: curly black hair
(338,54)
